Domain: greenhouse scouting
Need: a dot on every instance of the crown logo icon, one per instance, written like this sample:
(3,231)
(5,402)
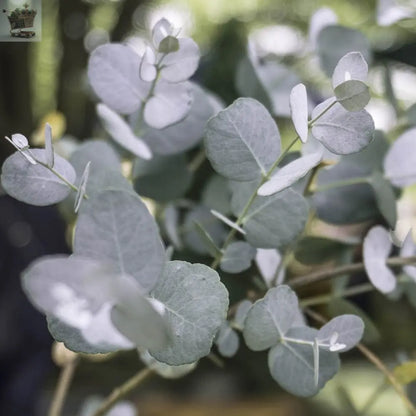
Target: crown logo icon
(21,19)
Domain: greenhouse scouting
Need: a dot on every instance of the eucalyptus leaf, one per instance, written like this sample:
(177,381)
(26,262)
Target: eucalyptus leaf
(275,221)
(237,257)
(241,313)
(73,339)
(408,249)
(242,141)
(353,95)
(321,18)
(196,304)
(186,133)
(216,195)
(270,318)
(292,364)
(341,131)
(115,226)
(385,197)
(35,184)
(114,74)
(349,330)
(181,64)
(377,247)
(160,31)
(163,178)
(298,102)
(227,341)
(268,260)
(390,11)
(335,41)
(80,292)
(351,66)
(353,203)
(405,373)
(169,104)
(121,132)
(168,44)
(121,408)
(400,160)
(289,174)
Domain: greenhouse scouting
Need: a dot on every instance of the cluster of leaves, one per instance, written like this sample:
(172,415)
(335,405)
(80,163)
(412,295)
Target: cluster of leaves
(120,290)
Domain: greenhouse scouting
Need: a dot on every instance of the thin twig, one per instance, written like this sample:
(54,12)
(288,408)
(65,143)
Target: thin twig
(377,362)
(345,269)
(64,382)
(123,390)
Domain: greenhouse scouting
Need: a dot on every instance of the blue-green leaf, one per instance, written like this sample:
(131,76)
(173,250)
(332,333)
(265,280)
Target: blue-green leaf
(242,141)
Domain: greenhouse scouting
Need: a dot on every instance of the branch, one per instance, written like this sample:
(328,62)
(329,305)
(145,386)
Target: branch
(377,362)
(122,391)
(346,269)
(62,388)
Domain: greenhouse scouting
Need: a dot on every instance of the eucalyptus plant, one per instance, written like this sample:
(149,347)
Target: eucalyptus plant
(120,290)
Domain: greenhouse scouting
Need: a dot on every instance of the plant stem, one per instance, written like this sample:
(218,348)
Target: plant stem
(311,122)
(64,382)
(250,201)
(377,362)
(339,184)
(122,391)
(346,269)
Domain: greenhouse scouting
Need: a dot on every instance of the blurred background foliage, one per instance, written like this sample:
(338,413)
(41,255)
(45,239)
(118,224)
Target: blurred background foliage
(47,81)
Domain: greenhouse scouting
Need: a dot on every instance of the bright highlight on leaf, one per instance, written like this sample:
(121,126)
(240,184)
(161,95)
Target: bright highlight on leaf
(377,247)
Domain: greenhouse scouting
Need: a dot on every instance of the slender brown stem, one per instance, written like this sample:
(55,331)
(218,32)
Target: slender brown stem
(345,269)
(64,382)
(123,390)
(372,357)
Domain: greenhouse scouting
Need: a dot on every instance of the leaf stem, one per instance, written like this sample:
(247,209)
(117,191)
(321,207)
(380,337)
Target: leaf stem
(123,390)
(377,362)
(346,269)
(311,122)
(250,201)
(64,382)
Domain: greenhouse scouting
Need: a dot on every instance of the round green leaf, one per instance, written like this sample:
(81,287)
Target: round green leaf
(400,160)
(351,66)
(113,72)
(292,365)
(242,141)
(275,221)
(237,257)
(341,131)
(115,226)
(184,134)
(377,247)
(336,41)
(227,341)
(298,102)
(196,304)
(179,65)
(349,330)
(353,95)
(270,318)
(35,184)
